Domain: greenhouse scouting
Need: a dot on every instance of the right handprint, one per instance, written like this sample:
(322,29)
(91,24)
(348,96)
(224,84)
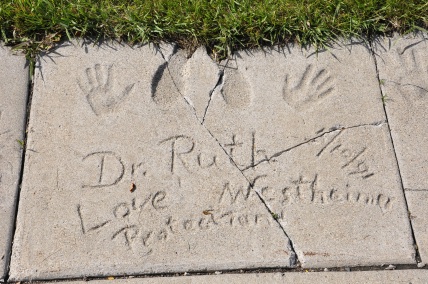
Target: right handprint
(413,78)
(308,88)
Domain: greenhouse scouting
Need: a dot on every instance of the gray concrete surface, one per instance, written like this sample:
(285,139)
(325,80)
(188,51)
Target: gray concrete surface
(279,99)
(294,121)
(373,277)
(418,213)
(335,213)
(124,179)
(13,100)
(151,160)
(403,71)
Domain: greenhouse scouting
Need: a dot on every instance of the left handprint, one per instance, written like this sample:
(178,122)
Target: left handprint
(100,91)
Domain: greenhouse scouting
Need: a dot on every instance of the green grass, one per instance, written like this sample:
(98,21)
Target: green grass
(221,25)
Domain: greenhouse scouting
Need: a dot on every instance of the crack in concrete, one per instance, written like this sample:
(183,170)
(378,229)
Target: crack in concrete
(174,51)
(224,272)
(9,251)
(178,89)
(417,254)
(294,260)
(332,130)
(293,257)
(218,84)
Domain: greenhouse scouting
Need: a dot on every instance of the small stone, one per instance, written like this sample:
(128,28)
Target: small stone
(326,269)
(186,274)
(217,272)
(390,267)
(421,264)
(348,269)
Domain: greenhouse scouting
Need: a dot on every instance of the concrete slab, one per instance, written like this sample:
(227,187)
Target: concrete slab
(279,116)
(124,179)
(339,199)
(403,72)
(195,78)
(278,99)
(376,277)
(13,100)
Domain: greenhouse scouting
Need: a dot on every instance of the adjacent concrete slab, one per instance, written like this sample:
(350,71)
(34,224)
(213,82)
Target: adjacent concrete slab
(417,201)
(403,71)
(13,100)
(124,179)
(308,130)
(376,277)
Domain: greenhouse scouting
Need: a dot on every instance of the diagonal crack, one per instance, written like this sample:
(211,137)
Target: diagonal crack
(333,129)
(174,51)
(178,89)
(293,258)
(219,83)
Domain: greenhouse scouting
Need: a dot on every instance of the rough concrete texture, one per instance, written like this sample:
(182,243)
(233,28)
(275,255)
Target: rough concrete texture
(124,179)
(403,72)
(269,101)
(417,202)
(337,193)
(13,100)
(339,199)
(194,77)
(373,277)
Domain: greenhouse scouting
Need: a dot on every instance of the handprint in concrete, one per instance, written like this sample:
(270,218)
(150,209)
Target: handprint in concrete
(102,94)
(312,86)
(413,83)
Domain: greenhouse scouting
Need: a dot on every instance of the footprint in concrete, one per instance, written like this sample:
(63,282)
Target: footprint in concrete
(167,81)
(200,75)
(236,90)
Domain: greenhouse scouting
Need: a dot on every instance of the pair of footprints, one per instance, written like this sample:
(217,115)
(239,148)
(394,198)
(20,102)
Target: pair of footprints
(308,88)
(311,86)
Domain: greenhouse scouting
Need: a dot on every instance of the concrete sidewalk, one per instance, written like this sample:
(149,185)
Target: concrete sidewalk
(146,161)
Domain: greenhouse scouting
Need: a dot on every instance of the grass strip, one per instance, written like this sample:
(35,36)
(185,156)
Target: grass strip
(221,25)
